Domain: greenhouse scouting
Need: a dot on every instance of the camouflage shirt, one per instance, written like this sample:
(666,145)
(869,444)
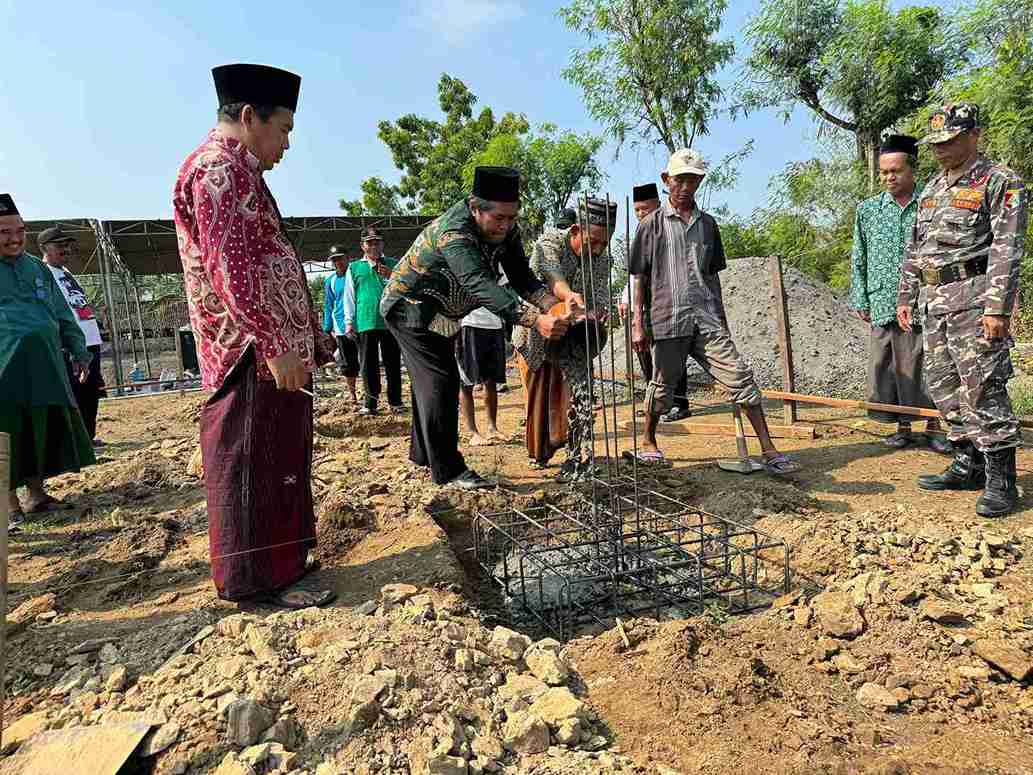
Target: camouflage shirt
(553,259)
(981,215)
(451,270)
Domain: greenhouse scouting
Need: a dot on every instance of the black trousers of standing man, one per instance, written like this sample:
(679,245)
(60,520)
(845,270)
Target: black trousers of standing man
(434,379)
(375,346)
(87,394)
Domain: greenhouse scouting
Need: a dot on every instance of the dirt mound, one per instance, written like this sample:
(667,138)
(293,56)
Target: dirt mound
(830,344)
(409,683)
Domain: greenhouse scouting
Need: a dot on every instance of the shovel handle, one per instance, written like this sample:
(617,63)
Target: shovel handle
(740,433)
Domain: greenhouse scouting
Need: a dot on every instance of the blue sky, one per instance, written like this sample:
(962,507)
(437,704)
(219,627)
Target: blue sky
(102,102)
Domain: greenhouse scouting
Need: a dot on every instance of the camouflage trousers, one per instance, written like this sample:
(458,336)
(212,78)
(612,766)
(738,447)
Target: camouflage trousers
(967,376)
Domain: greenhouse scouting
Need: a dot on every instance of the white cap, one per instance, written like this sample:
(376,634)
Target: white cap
(686,160)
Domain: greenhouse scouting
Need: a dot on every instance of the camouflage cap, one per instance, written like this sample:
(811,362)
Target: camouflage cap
(950,121)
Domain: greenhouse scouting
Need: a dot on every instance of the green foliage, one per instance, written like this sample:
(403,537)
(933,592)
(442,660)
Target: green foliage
(317,287)
(650,71)
(553,167)
(856,65)
(378,198)
(431,154)
(809,221)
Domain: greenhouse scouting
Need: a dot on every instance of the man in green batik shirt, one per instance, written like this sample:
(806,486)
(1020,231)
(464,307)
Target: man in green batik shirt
(882,230)
(37,408)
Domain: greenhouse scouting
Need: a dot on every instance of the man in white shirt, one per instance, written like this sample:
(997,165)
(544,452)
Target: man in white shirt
(57,247)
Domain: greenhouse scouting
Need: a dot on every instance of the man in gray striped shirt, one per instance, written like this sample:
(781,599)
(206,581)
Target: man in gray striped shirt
(676,257)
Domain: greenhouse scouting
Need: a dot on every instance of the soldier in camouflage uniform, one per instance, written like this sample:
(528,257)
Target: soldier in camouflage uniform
(963,267)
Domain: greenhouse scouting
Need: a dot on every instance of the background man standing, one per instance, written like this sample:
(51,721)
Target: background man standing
(334,322)
(882,230)
(37,408)
(258,341)
(676,257)
(963,269)
(58,247)
(452,268)
(646,199)
(363,287)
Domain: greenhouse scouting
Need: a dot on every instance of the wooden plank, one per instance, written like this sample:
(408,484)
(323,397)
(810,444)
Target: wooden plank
(798,431)
(785,341)
(5,479)
(849,403)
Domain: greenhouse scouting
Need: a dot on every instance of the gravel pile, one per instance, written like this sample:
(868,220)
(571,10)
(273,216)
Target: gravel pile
(830,345)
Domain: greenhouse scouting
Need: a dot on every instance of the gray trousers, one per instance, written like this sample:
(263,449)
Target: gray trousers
(895,371)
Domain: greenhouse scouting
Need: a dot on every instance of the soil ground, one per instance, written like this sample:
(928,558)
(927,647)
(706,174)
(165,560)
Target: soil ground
(764,693)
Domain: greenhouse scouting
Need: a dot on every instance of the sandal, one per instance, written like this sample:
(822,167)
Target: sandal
(298,599)
(14,521)
(648,458)
(780,465)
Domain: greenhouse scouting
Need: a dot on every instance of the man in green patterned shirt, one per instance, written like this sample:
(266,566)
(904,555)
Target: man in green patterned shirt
(882,229)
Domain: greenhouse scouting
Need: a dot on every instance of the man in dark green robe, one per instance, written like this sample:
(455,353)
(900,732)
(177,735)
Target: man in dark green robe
(37,408)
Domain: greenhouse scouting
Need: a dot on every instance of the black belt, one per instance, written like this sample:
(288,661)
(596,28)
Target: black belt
(954,272)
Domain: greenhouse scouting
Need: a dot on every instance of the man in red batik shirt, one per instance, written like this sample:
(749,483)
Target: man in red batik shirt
(258,341)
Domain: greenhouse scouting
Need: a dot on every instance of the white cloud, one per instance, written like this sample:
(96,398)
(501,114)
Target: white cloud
(457,21)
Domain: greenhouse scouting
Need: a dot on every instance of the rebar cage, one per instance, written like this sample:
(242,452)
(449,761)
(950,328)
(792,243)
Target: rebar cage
(617,547)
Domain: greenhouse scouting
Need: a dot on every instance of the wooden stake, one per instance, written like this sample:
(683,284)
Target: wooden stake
(850,403)
(691,428)
(785,342)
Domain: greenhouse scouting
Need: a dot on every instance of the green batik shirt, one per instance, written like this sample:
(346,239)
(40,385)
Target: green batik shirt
(35,324)
(451,270)
(882,230)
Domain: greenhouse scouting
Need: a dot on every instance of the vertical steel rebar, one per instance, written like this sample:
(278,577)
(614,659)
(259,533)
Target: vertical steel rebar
(129,320)
(109,297)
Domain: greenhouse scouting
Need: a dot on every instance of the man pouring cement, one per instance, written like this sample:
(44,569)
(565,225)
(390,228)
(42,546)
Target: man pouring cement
(258,341)
(676,257)
(962,268)
(453,268)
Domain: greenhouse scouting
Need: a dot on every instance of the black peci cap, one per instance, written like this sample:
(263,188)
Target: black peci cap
(645,193)
(256,85)
(899,144)
(53,234)
(7,206)
(496,184)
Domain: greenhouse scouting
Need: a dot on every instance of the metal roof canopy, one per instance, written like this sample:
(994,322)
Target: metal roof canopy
(149,247)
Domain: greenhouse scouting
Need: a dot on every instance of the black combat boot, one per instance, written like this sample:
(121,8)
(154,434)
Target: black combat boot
(964,473)
(1001,495)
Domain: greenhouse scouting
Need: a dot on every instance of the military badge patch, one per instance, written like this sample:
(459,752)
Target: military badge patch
(937,121)
(928,203)
(1012,197)
(965,204)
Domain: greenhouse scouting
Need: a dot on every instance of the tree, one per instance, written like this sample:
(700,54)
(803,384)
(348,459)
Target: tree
(432,154)
(378,198)
(553,167)
(650,74)
(857,65)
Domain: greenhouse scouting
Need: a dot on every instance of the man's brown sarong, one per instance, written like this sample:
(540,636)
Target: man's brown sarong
(256,445)
(548,400)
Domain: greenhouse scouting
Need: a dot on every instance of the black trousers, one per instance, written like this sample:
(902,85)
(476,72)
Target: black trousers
(349,365)
(87,394)
(434,379)
(376,346)
(681,390)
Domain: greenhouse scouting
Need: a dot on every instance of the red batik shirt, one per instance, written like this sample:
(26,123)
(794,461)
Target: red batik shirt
(244,282)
